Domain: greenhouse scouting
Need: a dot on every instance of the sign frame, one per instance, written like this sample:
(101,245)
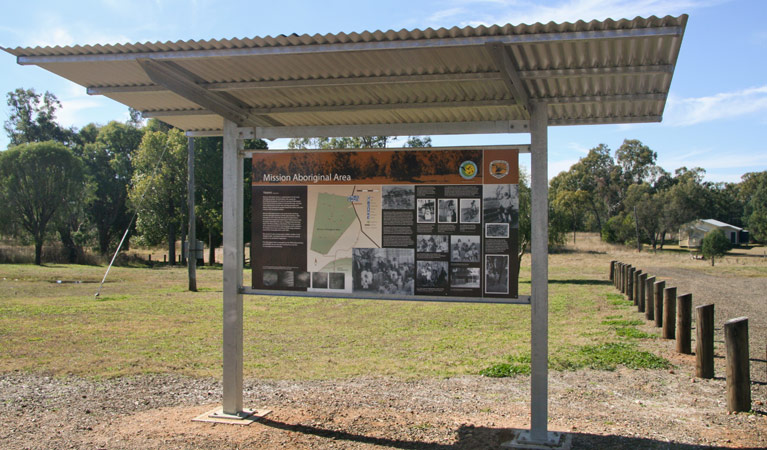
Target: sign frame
(499,163)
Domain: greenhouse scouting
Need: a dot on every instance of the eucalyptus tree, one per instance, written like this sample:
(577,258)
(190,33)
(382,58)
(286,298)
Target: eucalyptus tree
(158,187)
(32,118)
(38,183)
(109,159)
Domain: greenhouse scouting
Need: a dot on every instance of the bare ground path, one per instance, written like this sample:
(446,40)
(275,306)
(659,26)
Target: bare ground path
(624,409)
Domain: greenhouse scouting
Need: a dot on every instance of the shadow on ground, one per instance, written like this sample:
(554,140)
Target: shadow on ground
(470,437)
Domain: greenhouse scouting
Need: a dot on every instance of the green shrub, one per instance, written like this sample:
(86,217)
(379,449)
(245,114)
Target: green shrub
(715,244)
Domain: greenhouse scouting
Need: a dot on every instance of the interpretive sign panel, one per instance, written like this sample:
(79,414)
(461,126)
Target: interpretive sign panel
(397,224)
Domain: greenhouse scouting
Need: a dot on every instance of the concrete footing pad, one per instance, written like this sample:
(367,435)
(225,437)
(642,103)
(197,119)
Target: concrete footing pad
(554,441)
(246,417)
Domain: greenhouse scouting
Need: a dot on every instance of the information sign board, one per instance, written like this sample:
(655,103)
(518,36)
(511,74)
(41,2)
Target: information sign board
(390,224)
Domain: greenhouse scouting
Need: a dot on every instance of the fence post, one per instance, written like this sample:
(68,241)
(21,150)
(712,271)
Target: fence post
(620,277)
(637,274)
(626,278)
(738,375)
(630,285)
(704,344)
(612,270)
(669,313)
(658,302)
(649,305)
(684,324)
(622,284)
(642,283)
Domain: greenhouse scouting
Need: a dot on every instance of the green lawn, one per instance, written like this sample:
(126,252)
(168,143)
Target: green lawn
(145,321)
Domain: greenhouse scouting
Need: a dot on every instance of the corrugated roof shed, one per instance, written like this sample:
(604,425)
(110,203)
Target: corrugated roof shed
(472,79)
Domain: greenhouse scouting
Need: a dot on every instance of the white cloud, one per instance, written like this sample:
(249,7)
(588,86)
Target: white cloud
(446,15)
(725,105)
(77,107)
(561,165)
(718,162)
(578,147)
(529,12)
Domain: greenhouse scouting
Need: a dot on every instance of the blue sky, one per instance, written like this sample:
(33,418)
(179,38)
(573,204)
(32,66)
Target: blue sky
(715,117)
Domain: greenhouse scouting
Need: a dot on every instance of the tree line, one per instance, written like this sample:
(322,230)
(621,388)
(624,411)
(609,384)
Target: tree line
(627,197)
(83,187)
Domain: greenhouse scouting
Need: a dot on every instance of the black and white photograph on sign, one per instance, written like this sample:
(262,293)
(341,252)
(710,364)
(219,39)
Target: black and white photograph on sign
(464,248)
(464,277)
(320,280)
(432,243)
(426,210)
(501,204)
(270,278)
(497,274)
(337,280)
(398,197)
(302,279)
(497,230)
(286,278)
(432,274)
(470,212)
(384,271)
(448,210)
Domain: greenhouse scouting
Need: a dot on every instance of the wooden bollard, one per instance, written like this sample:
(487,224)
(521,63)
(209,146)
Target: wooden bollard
(642,283)
(150,257)
(704,343)
(637,273)
(738,375)
(658,302)
(649,304)
(612,270)
(622,277)
(684,324)
(626,278)
(164,258)
(669,313)
(630,284)
(617,275)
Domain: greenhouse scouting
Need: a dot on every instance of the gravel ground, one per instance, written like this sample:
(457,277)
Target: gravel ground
(631,409)
(732,297)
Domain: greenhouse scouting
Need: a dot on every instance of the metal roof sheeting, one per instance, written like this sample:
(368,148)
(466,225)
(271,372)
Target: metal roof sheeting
(588,72)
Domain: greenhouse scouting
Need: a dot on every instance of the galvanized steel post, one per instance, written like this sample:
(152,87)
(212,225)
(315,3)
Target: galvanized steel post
(540,274)
(233,256)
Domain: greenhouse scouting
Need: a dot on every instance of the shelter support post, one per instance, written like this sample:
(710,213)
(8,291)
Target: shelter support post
(539,437)
(233,257)
(540,274)
(232,412)
(191,246)
(539,380)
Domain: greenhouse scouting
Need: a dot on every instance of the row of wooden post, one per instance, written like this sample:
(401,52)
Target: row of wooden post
(673,314)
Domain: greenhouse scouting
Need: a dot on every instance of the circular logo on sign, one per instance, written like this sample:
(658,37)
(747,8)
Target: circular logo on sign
(468,170)
(499,169)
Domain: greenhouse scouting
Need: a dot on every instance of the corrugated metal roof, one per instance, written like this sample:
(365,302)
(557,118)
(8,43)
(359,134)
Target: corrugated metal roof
(719,224)
(588,72)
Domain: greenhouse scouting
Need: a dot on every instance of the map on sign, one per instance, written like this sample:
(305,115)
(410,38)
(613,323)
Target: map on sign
(341,218)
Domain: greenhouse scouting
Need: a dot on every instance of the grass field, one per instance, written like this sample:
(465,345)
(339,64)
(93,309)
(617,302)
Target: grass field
(145,321)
